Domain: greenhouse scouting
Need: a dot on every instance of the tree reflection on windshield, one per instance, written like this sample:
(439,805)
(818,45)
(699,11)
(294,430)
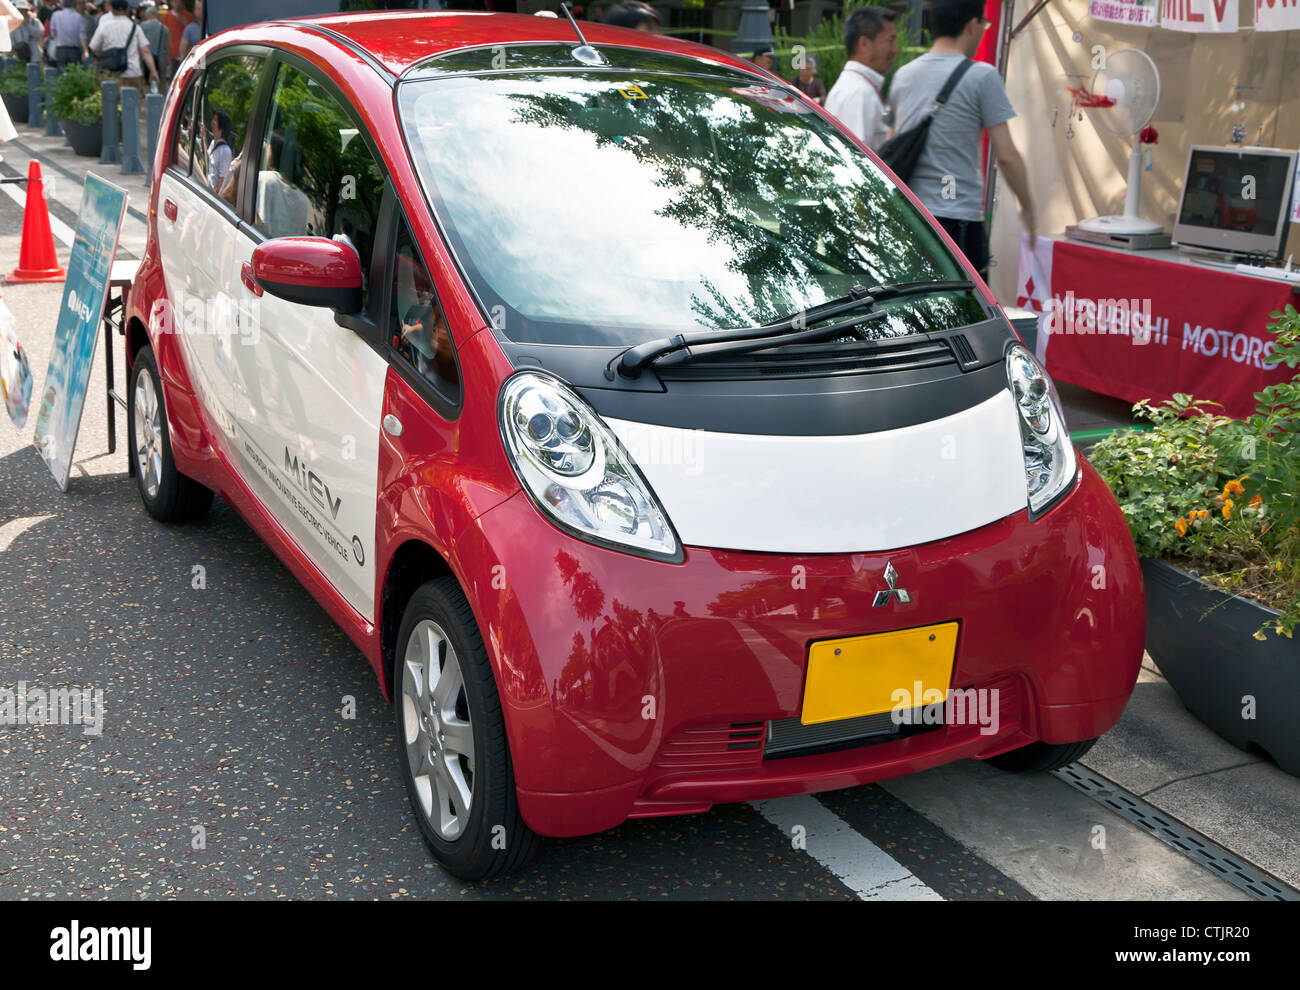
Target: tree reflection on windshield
(702,204)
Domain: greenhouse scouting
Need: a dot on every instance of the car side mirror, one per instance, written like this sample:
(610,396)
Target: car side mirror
(310,271)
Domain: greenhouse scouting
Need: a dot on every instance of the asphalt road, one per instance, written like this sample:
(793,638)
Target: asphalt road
(223,722)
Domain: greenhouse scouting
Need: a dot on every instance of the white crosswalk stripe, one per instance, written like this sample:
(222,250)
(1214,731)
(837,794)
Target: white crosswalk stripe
(859,863)
(57,227)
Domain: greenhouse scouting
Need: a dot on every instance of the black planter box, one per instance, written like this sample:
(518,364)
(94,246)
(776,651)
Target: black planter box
(86,139)
(16,107)
(1202,639)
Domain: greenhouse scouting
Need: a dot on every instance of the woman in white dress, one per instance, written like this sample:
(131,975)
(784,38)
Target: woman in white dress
(10,20)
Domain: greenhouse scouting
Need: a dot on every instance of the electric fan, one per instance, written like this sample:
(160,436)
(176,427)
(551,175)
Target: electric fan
(1125,93)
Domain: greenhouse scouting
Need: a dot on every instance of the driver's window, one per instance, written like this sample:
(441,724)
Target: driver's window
(418,325)
(315,173)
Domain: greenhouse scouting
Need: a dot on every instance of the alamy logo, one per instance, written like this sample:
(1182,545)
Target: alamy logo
(21,705)
(102,944)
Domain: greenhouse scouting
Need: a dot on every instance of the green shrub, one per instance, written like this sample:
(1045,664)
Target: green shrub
(13,81)
(1219,495)
(73,87)
(827,42)
(88,110)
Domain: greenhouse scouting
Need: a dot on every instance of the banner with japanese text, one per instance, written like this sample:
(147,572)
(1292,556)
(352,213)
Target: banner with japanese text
(1141,13)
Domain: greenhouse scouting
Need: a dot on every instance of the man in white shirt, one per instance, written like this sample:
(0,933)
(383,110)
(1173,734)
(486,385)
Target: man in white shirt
(118,30)
(871,41)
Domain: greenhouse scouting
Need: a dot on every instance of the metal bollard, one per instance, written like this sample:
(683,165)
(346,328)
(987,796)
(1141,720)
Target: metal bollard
(131,164)
(34,118)
(110,154)
(52,126)
(153,108)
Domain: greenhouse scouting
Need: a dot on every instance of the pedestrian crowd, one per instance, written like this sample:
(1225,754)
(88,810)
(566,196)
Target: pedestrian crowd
(137,41)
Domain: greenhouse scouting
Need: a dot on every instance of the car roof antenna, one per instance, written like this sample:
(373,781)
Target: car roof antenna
(584,53)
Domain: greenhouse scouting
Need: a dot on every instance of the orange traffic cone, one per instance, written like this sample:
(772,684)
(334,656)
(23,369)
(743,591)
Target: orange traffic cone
(37,261)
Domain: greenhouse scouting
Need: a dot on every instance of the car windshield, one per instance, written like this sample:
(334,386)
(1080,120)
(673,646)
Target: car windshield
(608,207)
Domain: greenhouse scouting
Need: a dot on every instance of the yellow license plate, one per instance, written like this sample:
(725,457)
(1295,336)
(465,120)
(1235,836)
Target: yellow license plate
(863,675)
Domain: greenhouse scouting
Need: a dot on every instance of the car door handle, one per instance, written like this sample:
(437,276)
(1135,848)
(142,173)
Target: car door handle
(169,209)
(246,273)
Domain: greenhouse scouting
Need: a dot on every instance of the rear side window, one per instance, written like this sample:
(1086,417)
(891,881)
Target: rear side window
(224,111)
(316,175)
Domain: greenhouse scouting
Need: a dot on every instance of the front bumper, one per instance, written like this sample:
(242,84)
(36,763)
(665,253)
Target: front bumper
(632,687)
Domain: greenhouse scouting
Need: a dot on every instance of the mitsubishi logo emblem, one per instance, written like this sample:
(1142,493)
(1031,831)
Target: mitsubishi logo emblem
(882,597)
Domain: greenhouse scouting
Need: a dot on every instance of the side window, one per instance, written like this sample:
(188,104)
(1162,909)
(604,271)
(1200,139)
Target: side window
(184,131)
(418,325)
(224,111)
(316,175)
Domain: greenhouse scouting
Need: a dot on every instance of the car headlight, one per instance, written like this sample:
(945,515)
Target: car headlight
(1050,464)
(577,472)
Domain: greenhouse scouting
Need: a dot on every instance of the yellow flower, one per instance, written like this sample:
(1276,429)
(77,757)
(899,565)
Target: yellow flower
(1227,509)
(1277,564)
(1181,526)
(1255,500)
(1199,514)
(1259,633)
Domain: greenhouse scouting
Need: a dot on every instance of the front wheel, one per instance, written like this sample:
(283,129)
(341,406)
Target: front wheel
(1040,756)
(452,736)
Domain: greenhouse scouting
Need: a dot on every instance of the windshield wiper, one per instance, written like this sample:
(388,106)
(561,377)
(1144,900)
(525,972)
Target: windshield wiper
(632,360)
(718,348)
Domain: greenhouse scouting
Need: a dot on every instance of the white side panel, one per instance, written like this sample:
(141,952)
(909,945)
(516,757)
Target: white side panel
(835,494)
(308,399)
(196,251)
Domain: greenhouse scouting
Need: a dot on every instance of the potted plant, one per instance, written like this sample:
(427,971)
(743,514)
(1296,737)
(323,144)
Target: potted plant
(1213,508)
(76,101)
(13,90)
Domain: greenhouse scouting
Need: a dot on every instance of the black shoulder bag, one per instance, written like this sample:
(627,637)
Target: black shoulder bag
(902,151)
(117,59)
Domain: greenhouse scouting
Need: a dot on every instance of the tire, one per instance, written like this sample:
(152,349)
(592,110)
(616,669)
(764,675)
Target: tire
(167,494)
(1038,757)
(438,719)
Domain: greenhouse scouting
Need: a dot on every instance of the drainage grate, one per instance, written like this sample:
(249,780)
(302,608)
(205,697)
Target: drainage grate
(1171,831)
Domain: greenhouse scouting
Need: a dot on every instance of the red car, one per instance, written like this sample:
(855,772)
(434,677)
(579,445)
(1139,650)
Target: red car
(652,442)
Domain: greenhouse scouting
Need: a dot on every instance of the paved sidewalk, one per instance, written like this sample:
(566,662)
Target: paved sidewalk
(64,172)
(1167,756)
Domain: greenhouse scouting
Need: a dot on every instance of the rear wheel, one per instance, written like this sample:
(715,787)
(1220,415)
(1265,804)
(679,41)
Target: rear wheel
(1041,756)
(455,755)
(167,494)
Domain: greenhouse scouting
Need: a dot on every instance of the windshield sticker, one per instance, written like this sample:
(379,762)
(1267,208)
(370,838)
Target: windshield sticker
(779,100)
(633,92)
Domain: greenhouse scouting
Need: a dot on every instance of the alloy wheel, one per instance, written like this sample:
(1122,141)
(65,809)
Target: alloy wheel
(436,729)
(148,434)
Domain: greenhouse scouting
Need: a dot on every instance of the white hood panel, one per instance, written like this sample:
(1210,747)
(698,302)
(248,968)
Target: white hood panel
(835,494)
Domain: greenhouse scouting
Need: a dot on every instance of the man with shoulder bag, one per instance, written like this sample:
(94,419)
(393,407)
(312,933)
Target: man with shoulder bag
(122,48)
(942,102)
